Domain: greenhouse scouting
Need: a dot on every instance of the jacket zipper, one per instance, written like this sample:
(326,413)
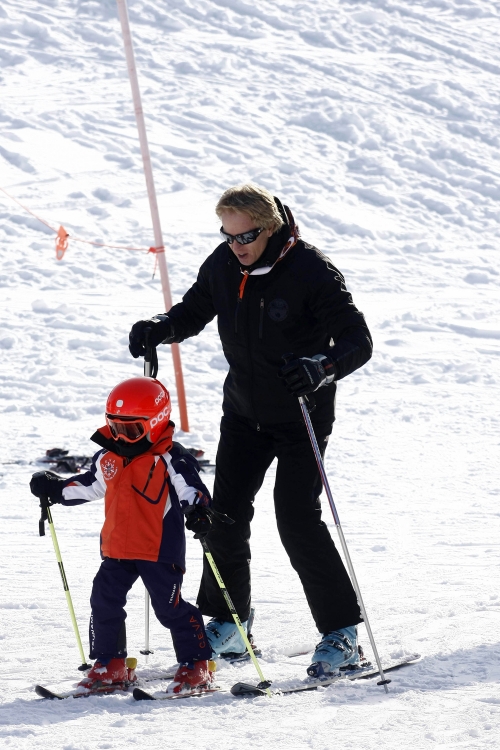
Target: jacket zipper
(250,353)
(150,475)
(241,291)
(236,315)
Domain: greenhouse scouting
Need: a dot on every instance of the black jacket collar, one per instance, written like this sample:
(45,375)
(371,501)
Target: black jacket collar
(123,449)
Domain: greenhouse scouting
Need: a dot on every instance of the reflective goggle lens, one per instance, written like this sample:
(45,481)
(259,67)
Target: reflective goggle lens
(128,430)
(242,239)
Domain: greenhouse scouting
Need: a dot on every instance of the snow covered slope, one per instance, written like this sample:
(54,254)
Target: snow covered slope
(378,123)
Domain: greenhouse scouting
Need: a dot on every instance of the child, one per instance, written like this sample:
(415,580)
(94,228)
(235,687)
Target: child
(149,483)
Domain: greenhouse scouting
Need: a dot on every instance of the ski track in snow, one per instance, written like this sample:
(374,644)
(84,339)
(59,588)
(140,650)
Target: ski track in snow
(377,122)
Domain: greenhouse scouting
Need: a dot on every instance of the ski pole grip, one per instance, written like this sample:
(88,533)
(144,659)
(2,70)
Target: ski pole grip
(44,504)
(150,357)
(309,401)
(147,356)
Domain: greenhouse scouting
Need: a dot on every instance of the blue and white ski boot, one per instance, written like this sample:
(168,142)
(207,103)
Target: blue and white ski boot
(337,649)
(226,640)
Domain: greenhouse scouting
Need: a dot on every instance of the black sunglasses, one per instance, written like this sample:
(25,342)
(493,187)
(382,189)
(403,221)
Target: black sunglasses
(242,239)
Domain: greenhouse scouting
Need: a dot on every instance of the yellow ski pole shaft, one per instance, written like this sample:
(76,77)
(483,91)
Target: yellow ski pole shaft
(47,516)
(264,684)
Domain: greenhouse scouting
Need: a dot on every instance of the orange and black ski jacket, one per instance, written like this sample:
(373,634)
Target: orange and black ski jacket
(144,498)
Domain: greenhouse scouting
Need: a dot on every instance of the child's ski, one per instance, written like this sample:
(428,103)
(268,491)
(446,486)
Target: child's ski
(44,692)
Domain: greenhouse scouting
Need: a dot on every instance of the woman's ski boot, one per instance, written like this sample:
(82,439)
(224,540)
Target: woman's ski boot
(337,649)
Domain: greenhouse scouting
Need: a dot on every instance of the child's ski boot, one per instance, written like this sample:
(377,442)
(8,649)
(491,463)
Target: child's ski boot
(337,649)
(116,672)
(195,677)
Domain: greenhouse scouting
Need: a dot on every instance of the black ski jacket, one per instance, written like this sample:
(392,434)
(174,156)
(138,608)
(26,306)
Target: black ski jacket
(300,306)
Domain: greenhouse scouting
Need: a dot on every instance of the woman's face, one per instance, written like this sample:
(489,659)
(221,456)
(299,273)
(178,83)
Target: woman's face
(234,222)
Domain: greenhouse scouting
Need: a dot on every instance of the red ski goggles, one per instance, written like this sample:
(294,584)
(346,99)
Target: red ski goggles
(130,429)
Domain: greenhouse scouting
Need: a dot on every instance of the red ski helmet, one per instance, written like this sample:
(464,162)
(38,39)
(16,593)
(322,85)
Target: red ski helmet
(136,408)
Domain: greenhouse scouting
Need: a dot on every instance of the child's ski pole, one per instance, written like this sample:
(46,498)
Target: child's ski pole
(146,650)
(150,371)
(46,515)
(264,684)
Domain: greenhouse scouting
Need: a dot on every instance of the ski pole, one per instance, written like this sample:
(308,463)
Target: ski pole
(146,651)
(150,371)
(150,358)
(324,479)
(46,515)
(263,684)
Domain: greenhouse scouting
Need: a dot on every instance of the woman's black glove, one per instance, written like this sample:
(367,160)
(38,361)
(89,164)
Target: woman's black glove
(159,330)
(306,374)
(47,484)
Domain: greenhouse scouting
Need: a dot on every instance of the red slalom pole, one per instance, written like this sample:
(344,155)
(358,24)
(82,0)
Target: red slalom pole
(155,216)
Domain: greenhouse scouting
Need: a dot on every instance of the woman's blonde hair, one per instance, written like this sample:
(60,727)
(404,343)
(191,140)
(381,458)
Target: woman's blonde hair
(253,200)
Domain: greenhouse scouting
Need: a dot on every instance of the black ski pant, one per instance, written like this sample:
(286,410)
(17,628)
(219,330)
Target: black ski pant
(243,457)
(112,583)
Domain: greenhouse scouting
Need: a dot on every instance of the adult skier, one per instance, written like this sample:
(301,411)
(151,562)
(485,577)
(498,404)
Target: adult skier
(149,484)
(273,294)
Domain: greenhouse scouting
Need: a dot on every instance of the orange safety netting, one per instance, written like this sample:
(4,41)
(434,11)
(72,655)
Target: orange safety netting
(61,243)
(62,236)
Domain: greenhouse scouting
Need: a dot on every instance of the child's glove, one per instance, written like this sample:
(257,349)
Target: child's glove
(47,484)
(198,515)
(198,519)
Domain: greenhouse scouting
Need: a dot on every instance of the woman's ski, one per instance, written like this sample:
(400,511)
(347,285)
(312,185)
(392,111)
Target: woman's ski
(356,673)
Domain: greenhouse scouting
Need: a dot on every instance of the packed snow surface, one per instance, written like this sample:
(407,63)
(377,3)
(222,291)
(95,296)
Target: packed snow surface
(377,122)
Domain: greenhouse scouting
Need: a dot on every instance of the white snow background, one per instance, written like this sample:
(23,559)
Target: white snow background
(378,123)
